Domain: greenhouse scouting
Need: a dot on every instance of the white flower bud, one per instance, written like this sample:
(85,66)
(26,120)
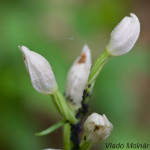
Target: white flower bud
(97,128)
(40,71)
(77,78)
(124,36)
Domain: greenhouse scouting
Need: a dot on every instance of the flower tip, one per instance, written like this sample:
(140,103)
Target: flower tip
(86,49)
(135,18)
(87,52)
(23,49)
(20,47)
(133,15)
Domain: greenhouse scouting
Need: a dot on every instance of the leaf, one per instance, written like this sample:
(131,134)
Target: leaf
(51,128)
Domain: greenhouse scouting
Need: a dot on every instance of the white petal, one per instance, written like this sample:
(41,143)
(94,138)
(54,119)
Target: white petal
(96,118)
(40,71)
(124,36)
(77,78)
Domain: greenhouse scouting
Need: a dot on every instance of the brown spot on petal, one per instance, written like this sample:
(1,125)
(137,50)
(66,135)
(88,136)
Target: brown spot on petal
(97,128)
(82,58)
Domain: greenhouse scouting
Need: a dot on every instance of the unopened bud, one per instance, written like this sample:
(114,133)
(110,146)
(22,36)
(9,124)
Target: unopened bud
(40,71)
(124,36)
(97,128)
(77,78)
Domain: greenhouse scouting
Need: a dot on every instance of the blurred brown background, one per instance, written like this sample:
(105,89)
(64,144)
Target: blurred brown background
(58,29)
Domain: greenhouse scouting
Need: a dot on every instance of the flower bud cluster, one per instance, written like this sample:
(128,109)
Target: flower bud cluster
(96,127)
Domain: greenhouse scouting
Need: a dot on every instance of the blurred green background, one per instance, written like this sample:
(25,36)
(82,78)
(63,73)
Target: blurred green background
(58,29)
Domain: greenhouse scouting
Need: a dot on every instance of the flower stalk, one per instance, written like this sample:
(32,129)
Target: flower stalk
(97,67)
(62,107)
(66,137)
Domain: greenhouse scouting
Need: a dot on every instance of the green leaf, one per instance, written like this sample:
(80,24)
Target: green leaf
(51,128)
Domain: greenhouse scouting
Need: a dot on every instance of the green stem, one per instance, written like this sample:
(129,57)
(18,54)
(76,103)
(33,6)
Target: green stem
(66,137)
(51,128)
(97,67)
(62,107)
(95,71)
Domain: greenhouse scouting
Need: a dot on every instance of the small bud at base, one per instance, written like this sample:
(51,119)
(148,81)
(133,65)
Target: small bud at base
(97,128)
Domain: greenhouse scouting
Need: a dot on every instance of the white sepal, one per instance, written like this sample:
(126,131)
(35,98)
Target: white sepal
(124,36)
(77,78)
(40,71)
(97,128)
